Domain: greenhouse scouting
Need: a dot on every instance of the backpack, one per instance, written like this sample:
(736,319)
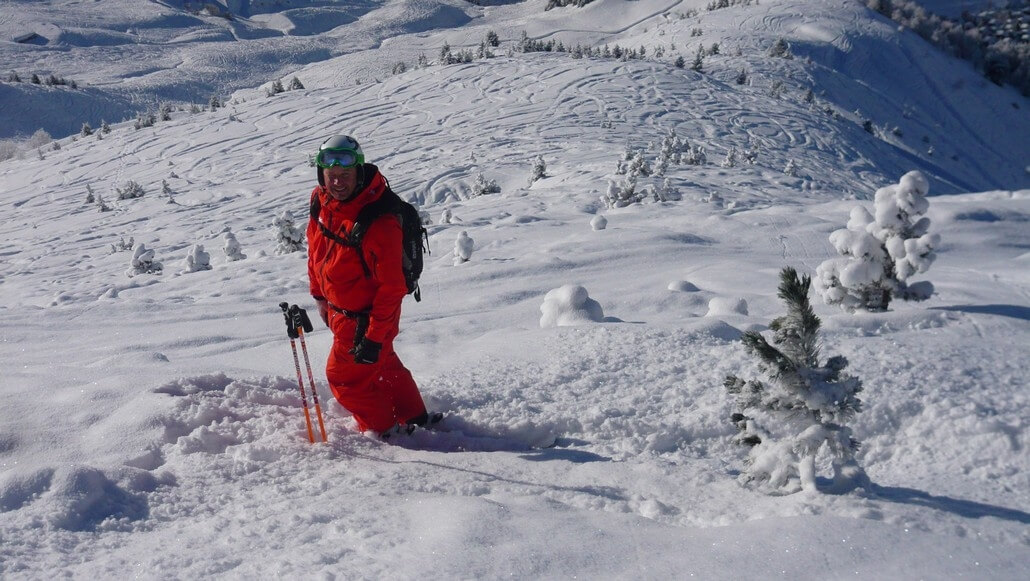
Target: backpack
(411,228)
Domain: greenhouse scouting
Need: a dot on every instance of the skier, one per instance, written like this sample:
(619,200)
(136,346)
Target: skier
(359,295)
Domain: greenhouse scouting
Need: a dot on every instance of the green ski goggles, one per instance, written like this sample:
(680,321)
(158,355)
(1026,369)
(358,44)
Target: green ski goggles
(344,158)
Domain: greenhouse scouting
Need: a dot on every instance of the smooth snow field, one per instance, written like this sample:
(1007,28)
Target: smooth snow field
(151,423)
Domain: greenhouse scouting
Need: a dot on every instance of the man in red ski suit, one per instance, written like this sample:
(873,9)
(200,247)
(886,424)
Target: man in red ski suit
(361,307)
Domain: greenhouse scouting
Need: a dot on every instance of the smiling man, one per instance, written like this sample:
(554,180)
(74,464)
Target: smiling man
(359,287)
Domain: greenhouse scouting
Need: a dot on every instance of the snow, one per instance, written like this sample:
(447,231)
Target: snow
(151,425)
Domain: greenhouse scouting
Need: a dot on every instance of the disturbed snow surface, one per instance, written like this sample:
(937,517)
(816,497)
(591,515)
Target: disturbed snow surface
(152,424)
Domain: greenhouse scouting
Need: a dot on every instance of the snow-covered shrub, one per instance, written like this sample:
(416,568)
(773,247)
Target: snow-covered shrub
(425,218)
(447,217)
(144,120)
(695,155)
(295,84)
(599,222)
(143,262)
(87,130)
(482,186)
(102,205)
(197,259)
(123,245)
(569,305)
(665,192)
(231,247)
(130,190)
(732,158)
(882,252)
(463,248)
(90,196)
(791,168)
(276,88)
(539,170)
(289,238)
(781,49)
(802,406)
(621,194)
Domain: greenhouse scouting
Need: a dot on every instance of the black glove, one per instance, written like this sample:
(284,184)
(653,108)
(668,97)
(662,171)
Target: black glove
(367,351)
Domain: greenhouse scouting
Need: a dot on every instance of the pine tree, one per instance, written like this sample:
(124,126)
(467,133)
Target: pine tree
(295,84)
(699,60)
(801,408)
(87,130)
(880,253)
(539,170)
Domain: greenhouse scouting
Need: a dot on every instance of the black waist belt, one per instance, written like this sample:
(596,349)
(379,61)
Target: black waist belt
(351,314)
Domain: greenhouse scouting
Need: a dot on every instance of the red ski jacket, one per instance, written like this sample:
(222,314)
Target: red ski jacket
(335,270)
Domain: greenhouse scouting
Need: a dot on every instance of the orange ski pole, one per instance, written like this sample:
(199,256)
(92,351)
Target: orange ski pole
(304,324)
(291,331)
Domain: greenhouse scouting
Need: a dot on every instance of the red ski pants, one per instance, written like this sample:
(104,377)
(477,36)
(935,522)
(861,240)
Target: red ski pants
(378,395)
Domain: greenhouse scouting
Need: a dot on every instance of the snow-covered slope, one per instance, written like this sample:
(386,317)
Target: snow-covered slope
(151,426)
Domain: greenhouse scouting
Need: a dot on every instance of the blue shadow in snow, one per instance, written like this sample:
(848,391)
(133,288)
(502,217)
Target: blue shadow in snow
(1014,311)
(964,508)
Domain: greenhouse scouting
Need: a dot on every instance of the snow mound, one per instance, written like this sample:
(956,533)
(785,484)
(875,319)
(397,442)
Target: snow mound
(569,305)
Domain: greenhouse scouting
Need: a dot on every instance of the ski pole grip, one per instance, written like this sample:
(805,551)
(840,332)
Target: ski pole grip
(291,328)
(300,318)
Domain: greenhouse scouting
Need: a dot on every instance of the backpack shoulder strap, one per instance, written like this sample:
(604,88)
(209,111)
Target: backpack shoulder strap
(315,212)
(386,204)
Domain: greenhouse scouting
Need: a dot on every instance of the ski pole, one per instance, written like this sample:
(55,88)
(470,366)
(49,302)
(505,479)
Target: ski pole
(303,324)
(291,331)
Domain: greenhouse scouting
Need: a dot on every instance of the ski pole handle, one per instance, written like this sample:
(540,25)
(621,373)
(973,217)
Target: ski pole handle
(291,327)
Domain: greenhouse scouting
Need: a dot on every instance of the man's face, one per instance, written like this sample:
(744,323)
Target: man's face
(341,182)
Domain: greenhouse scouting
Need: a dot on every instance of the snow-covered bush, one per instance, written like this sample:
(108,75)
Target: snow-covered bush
(881,252)
(90,196)
(143,262)
(695,155)
(289,237)
(130,190)
(482,186)
(123,245)
(781,49)
(87,130)
(665,192)
(801,408)
(599,222)
(231,247)
(197,259)
(463,248)
(539,170)
(569,305)
(791,168)
(621,194)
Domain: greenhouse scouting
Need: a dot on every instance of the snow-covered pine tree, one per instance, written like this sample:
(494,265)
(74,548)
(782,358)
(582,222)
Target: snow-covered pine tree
(482,186)
(90,197)
(881,253)
(801,408)
(87,130)
(463,248)
(231,247)
(621,194)
(197,259)
(143,262)
(295,84)
(539,170)
(699,60)
(289,238)
(130,190)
